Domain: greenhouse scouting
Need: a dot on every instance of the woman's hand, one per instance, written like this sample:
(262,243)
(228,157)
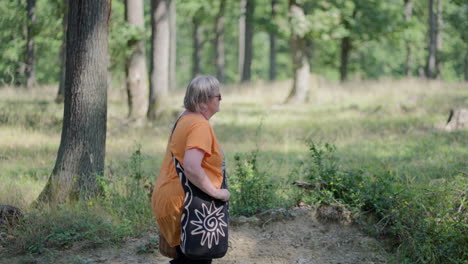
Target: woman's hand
(223,195)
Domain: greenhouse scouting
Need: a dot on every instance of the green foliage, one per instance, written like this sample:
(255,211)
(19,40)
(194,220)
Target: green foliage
(428,223)
(46,229)
(378,31)
(253,191)
(125,210)
(126,196)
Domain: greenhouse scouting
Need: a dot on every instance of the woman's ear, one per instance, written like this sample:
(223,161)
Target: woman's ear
(203,107)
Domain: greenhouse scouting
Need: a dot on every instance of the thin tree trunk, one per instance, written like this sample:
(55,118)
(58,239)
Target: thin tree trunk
(172,44)
(301,68)
(431,58)
(63,55)
(345,50)
(219,42)
(440,25)
(409,53)
(30,69)
(272,73)
(137,78)
(466,67)
(249,31)
(159,81)
(80,158)
(241,54)
(196,52)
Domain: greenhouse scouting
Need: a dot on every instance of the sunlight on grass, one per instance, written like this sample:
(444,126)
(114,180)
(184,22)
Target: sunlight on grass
(384,124)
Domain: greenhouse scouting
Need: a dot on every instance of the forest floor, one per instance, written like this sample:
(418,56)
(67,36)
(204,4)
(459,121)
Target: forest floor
(298,238)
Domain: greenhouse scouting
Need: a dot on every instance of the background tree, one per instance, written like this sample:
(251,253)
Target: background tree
(364,21)
(137,80)
(219,42)
(63,52)
(30,62)
(379,35)
(197,42)
(409,56)
(439,37)
(272,35)
(241,37)
(172,44)
(159,79)
(80,158)
(249,34)
(432,45)
(300,62)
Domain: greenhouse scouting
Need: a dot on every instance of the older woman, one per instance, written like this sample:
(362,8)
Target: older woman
(193,142)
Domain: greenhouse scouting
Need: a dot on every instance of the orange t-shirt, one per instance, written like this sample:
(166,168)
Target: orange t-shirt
(192,131)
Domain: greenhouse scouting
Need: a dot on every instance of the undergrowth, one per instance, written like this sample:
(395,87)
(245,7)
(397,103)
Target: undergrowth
(123,211)
(427,224)
(253,190)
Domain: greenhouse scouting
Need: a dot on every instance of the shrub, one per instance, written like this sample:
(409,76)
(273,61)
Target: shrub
(427,223)
(125,210)
(253,191)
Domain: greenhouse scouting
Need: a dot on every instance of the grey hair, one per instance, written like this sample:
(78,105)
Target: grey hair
(199,91)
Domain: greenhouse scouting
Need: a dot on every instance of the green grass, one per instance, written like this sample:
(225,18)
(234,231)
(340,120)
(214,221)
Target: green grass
(386,126)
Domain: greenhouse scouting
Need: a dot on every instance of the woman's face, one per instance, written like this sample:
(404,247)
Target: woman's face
(213,103)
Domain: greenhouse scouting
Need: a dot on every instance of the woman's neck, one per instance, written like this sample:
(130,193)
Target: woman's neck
(188,112)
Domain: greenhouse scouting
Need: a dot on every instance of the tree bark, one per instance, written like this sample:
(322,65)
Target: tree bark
(159,81)
(301,68)
(432,48)
(466,67)
(249,31)
(80,158)
(30,70)
(63,54)
(272,73)
(345,50)
(172,44)
(409,53)
(219,42)
(440,25)
(241,52)
(137,78)
(197,46)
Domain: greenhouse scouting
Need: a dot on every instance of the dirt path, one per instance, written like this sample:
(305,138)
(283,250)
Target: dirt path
(299,239)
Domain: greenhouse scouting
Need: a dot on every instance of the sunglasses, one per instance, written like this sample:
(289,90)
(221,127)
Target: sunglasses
(218,96)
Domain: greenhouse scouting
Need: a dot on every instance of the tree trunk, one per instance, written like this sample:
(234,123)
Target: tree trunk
(249,31)
(272,73)
(439,39)
(196,52)
(63,55)
(80,158)
(466,66)
(241,54)
(159,81)
(172,44)
(409,54)
(345,50)
(219,42)
(30,70)
(301,69)
(432,48)
(137,78)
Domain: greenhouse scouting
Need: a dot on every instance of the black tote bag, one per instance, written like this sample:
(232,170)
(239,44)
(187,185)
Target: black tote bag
(204,222)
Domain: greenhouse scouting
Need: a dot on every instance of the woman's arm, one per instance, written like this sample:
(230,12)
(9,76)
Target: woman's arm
(192,166)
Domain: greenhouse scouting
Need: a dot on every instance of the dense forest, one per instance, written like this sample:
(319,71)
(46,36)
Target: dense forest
(250,40)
